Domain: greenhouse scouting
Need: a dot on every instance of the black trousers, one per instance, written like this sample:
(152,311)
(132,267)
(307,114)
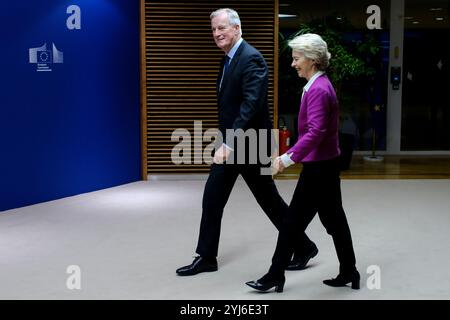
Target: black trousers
(318,191)
(219,185)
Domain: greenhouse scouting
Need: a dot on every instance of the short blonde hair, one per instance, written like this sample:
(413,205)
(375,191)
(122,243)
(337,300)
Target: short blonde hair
(313,47)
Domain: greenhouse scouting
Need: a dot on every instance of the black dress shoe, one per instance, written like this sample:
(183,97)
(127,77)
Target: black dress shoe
(343,279)
(200,264)
(300,262)
(267,282)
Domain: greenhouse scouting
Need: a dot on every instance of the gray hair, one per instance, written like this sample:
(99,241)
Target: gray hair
(233,16)
(313,47)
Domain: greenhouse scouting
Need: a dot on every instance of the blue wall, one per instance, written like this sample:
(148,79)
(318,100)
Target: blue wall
(74,129)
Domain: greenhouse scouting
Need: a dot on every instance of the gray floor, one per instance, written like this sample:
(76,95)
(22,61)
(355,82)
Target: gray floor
(129,240)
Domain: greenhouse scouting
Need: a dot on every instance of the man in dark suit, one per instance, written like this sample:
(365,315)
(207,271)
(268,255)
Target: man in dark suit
(242,87)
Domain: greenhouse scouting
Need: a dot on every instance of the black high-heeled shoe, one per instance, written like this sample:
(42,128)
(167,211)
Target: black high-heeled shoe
(267,282)
(343,279)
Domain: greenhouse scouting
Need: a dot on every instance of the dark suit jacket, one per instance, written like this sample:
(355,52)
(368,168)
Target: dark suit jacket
(242,99)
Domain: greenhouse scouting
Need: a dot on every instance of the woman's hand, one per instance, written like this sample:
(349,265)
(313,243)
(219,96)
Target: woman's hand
(277,166)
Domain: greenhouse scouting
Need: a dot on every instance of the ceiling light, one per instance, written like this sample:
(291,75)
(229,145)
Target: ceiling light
(283,15)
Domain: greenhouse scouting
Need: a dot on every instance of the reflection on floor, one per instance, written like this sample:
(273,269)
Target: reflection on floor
(392,167)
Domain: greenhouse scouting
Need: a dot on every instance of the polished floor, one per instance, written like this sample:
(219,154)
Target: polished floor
(390,167)
(126,243)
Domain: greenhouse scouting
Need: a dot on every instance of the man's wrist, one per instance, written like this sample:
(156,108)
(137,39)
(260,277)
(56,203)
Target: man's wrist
(229,148)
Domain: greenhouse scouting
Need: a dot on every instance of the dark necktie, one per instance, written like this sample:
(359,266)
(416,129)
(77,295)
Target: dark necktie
(226,64)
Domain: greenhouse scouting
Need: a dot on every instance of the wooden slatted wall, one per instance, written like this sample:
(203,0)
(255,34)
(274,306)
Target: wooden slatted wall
(180,62)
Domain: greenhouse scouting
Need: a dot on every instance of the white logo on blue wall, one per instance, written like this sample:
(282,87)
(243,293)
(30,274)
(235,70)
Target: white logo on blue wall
(44,58)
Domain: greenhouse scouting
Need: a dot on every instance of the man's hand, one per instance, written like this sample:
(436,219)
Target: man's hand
(277,166)
(221,155)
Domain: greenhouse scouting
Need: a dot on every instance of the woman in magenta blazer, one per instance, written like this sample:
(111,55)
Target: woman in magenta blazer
(318,189)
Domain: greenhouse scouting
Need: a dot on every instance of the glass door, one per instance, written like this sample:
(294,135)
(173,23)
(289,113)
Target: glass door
(363,95)
(425,96)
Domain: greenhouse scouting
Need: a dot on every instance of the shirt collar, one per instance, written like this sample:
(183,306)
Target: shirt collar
(234,49)
(312,79)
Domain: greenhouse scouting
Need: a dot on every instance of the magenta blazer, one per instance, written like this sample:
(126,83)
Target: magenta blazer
(318,122)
